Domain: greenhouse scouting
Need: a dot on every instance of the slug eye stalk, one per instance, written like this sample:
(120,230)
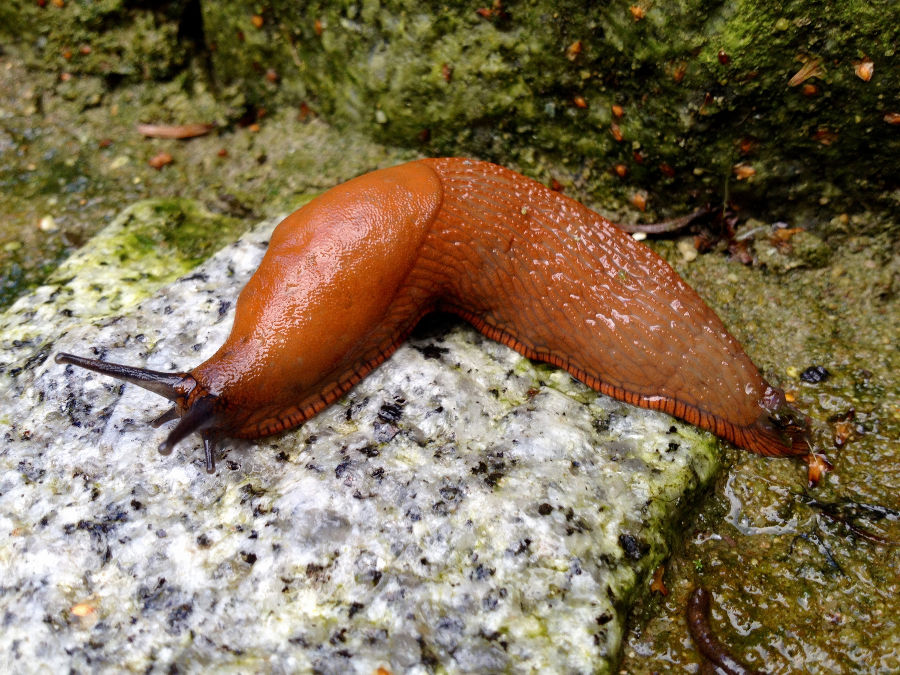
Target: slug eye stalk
(194,413)
(167,385)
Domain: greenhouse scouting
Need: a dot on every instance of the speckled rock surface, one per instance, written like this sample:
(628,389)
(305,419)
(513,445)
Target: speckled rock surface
(461,510)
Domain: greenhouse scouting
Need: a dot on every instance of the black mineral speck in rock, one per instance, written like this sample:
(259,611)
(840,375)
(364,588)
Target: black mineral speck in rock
(391,412)
(633,547)
(815,374)
(341,468)
(370,451)
(433,351)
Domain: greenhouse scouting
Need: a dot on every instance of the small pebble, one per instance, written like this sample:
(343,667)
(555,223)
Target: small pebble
(687,250)
(815,374)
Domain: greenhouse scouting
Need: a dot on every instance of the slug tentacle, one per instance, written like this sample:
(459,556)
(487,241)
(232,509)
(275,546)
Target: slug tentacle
(172,413)
(209,450)
(196,413)
(346,278)
(203,416)
(199,416)
(169,385)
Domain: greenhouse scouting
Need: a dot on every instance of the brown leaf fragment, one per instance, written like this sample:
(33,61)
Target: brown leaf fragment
(160,160)
(179,131)
(812,68)
(657,583)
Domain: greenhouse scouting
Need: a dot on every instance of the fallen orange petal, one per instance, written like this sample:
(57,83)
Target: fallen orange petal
(573,50)
(743,171)
(817,466)
(639,199)
(616,131)
(864,69)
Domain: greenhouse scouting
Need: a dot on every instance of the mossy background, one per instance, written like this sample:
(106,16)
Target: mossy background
(643,110)
(703,86)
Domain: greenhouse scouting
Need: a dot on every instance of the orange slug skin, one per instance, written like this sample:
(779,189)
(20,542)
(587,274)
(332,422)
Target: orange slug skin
(346,278)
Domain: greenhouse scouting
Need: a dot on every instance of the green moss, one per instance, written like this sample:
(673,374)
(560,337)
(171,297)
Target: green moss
(148,246)
(111,38)
(703,86)
(180,226)
(19,273)
(69,159)
(801,250)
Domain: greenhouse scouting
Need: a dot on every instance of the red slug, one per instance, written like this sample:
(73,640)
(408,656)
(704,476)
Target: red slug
(347,277)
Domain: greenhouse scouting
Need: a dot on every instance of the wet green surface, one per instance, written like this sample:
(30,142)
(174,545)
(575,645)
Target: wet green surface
(800,580)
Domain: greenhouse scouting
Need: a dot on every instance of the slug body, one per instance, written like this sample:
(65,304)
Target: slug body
(347,277)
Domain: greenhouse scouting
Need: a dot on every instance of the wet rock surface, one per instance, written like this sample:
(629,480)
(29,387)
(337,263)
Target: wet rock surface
(461,506)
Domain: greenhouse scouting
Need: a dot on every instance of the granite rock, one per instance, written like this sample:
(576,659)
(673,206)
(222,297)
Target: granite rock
(461,509)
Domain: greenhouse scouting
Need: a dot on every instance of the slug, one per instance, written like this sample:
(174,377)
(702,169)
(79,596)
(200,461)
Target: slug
(707,643)
(347,277)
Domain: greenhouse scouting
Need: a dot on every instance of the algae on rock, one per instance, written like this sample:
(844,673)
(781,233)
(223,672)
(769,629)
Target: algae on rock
(690,101)
(775,106)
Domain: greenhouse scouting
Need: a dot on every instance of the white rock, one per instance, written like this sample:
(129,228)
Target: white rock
(355,542)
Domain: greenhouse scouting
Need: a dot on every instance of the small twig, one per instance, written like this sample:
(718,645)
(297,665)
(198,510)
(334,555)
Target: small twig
(820,546)
(836,513)
(750,233)
(667,225)
(707,643)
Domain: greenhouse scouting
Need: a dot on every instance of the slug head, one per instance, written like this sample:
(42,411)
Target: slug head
(790,423)
(791,430)
(195,409)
